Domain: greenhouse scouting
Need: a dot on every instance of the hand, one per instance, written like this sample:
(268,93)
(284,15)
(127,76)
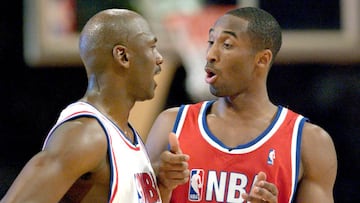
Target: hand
(262,191)
(173,167)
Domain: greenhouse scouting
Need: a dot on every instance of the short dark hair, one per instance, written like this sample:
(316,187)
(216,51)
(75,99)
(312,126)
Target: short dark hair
(263,29)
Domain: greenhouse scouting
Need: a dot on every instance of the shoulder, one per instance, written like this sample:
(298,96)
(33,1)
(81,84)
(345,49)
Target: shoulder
(82,139)
(314,134)
(318,155)
(165,119)
(318,166)
(83,128)
(169,113)
(157,138)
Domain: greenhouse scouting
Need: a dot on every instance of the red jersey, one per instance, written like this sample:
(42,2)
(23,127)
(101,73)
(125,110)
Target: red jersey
(220,174)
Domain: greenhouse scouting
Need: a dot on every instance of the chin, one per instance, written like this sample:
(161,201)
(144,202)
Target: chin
(214,91)
(148,96)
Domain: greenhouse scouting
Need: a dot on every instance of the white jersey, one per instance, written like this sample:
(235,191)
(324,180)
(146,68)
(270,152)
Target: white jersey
(132,178)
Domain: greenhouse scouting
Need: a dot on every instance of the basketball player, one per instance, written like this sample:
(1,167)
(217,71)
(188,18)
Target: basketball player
(248,148)
(93,154)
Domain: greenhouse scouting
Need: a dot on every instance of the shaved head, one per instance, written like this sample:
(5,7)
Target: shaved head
(105,30)
(118,50)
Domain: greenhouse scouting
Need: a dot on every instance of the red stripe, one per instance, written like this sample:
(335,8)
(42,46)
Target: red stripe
(115,171)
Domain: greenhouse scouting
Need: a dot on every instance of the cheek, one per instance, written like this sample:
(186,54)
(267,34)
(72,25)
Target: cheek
(148,59)
(238,70)
(142,62)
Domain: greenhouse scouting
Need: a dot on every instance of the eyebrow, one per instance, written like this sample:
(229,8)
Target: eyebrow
(226,32)
(230,33)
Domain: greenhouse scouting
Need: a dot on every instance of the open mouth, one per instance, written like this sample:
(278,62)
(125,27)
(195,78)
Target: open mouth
(210,76)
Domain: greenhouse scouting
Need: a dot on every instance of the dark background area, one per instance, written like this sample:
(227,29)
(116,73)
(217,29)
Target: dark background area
(329,94)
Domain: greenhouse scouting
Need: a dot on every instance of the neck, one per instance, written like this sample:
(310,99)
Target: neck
(244,104)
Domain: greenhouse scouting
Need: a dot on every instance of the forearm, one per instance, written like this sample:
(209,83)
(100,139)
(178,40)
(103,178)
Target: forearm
(165,193)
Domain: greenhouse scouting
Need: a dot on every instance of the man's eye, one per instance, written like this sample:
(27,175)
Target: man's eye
(210,42)
(227,46)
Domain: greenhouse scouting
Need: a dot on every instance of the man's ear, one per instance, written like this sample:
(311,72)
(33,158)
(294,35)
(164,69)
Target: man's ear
(263,58)
(120,55)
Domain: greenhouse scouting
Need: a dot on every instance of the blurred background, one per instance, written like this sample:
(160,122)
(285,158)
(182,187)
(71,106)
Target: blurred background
(316,74)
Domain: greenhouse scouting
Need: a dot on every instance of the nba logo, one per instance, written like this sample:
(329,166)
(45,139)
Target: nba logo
(271,157)
(196,184)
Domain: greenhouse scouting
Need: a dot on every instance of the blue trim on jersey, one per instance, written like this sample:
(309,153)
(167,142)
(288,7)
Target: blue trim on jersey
(298,151)
(136,141)
(70,119)
(178,117)
(177,120)
(252,142)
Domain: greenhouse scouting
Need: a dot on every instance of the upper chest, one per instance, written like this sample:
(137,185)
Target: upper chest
(233,132)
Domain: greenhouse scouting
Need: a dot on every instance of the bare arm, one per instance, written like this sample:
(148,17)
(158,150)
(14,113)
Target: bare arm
(75,148)
(157,140)
(171,167)
(318,166)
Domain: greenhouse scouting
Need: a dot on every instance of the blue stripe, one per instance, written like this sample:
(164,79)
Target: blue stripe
(298,154)
(177,120)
